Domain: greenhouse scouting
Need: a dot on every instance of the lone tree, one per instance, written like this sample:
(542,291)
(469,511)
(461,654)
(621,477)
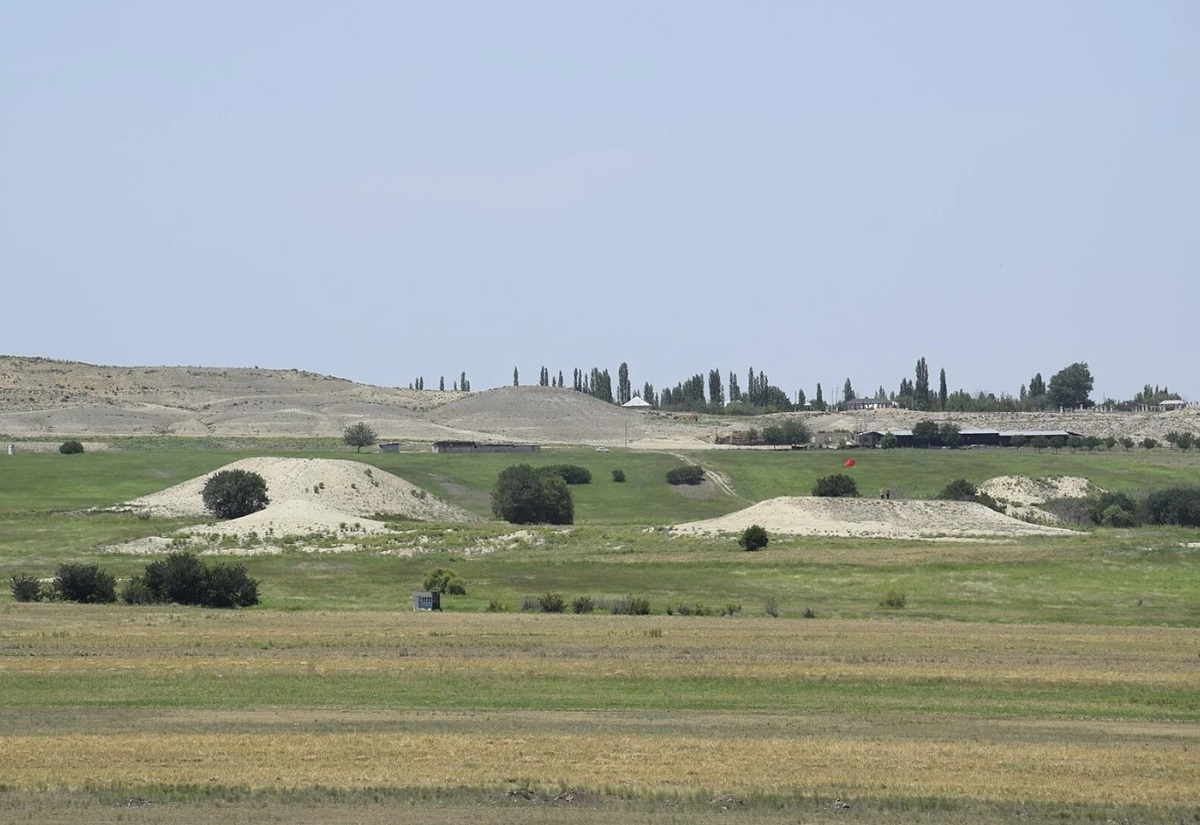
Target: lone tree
(232,494)
(523,495)
(359,435)
(1071,386)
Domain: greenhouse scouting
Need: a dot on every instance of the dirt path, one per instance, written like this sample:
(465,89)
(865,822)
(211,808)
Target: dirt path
(715,476)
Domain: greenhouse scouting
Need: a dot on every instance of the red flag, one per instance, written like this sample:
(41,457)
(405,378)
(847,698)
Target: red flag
(849,463)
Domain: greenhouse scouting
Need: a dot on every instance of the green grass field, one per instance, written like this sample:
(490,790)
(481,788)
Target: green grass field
(1052,676)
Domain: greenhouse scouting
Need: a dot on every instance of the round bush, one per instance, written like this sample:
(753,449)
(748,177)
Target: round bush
(838,485)
(523,495)
(570,473)
(753,537)
(84,583)
(618,476)
(231,494)
(958,490)
(71,447)
(686,474)
(27,588)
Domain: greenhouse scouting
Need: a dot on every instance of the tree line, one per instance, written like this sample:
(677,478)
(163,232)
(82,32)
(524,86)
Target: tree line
(721,393)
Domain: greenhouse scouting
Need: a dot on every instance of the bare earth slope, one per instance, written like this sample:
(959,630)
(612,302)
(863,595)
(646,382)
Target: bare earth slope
(870,518)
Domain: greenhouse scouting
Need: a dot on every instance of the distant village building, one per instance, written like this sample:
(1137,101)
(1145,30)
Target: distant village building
(389,447)
(636,403)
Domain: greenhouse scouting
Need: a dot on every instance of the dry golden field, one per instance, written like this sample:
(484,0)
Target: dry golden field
(180,708)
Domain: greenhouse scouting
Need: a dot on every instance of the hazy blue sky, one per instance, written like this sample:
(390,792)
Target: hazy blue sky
(380,190)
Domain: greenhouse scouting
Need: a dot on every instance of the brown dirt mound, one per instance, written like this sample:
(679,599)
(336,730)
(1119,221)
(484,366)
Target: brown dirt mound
(870,518)
(352,488)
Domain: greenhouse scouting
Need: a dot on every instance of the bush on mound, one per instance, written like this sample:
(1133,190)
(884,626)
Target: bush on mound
(838,485)
(71,447)
(231,494)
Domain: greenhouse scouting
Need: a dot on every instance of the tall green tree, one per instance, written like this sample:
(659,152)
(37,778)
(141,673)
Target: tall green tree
(942,393)
(624,387)
(818,399)
(1071,386)
(921,388)
(716,391)
(847,391)
(516,378)
(735,392)
(442,384)
(1037,386)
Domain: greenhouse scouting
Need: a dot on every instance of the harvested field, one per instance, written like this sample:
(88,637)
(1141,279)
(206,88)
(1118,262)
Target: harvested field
(870,518)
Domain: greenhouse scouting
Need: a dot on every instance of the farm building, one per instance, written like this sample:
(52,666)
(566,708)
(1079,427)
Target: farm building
(476,447)
(636,403)
(389,447)
(967,437)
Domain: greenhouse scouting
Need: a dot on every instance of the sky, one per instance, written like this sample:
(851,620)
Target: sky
(817,190)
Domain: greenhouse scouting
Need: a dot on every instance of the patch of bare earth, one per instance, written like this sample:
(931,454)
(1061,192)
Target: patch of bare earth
(870,518)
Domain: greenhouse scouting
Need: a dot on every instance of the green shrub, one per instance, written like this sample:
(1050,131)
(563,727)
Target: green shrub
(685,474)
(444,581)
(1100,503)
(229,585)
(958,490)
(771,607)
(685,609)
(27,588)
(629,606)
(524,496)
(838,485)
(618,476)
(182,578)
(583,604)
(551,603)
(731,609)
(1117,516)
(496,606)
(84,583)
(230,494)
(894,600)
(1178,505)
(809,613)
(570,473)
(71,447)
(753,537)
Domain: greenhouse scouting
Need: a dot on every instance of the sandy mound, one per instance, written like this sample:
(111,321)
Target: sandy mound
(870,518)
(298,518)
(1025,492)
(350,488)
